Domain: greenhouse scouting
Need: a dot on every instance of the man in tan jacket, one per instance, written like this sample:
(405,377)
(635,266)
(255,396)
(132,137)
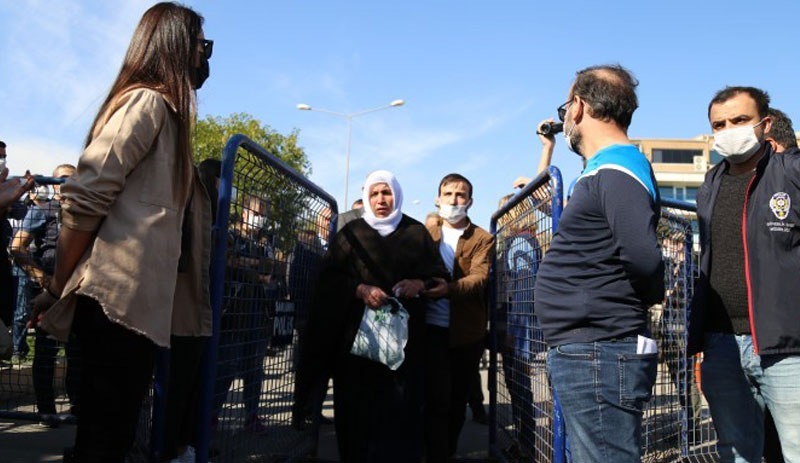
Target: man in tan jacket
(456,317)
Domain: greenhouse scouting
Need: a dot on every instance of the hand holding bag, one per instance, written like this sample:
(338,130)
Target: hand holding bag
(383,334)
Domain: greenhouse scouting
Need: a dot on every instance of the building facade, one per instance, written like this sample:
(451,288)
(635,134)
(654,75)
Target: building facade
(679,164)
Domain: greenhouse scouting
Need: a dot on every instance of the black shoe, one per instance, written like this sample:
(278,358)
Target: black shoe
(49,420)
(479,415)
(480,419)
(70,456)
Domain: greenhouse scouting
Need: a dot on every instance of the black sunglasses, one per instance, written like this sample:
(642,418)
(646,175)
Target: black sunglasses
(562,110)
(208,47)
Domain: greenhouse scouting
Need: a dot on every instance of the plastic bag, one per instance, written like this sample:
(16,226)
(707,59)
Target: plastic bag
(383,334)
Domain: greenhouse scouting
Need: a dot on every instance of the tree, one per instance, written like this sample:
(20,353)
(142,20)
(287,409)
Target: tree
(288,202)
(212,133)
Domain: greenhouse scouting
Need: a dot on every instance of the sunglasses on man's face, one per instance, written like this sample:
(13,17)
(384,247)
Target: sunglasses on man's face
(562,110)
(208,47)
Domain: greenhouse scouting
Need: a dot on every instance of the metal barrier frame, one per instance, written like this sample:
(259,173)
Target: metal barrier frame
(23,401)
(218,262)
(551,176)
(679,447)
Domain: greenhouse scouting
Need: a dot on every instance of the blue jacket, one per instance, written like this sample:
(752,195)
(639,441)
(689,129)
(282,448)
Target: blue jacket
(771,235)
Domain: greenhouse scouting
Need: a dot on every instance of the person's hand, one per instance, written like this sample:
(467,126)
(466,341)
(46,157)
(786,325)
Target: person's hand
(549,140)
(12,190)
(520,182)
(437,291)
(371,295)
(39,305)
(408,288)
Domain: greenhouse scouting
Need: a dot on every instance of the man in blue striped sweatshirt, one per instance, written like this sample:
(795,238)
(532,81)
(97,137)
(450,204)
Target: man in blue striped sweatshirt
(602,272)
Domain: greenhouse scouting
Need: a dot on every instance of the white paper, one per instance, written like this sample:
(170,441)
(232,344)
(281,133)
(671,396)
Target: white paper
(645,345)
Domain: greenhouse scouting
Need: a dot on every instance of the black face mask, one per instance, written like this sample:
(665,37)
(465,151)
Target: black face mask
(201,73)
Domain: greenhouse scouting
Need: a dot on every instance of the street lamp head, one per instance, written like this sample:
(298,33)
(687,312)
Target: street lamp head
(304,107)
(397,103)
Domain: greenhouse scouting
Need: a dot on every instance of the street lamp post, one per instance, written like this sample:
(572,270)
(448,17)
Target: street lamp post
(349,117)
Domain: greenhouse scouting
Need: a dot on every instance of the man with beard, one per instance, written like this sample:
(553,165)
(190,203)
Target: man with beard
(602,272)
(744,311)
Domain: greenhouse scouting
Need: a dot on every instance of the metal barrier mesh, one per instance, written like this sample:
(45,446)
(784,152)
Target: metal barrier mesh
(276,234)
(40,380)
(524,410)
(677,425)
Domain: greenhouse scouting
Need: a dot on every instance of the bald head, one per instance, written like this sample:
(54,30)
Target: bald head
(609,92)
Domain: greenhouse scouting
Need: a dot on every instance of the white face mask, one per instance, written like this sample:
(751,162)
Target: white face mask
(568,139)
(2,164)
(738,144)
(571,141)
(257,221)
(452,214)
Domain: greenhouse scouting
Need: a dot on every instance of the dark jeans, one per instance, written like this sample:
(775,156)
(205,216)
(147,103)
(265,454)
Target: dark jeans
(117,369)
(19,330)
(449,376)
(603,387)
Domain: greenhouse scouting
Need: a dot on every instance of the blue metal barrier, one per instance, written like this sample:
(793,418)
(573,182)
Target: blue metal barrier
(254,179)
(676,425)
(525,422)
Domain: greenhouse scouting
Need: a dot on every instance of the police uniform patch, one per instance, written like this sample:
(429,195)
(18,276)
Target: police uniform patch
(780,205)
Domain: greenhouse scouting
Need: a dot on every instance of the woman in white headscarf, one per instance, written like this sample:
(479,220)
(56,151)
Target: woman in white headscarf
(378,411)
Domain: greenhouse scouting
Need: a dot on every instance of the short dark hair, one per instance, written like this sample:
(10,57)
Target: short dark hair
(609,91)
(358,202)
(452,178)
(782,131)
(2,144)
(759,96)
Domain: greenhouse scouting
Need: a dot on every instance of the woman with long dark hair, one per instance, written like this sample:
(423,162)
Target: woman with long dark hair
(118,253)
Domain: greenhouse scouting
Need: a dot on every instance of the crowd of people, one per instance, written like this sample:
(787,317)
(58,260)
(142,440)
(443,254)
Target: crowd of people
(84,252)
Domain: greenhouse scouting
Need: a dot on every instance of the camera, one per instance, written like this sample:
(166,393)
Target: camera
(550,128)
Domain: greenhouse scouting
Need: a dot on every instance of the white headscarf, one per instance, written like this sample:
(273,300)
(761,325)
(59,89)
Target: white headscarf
(388,224)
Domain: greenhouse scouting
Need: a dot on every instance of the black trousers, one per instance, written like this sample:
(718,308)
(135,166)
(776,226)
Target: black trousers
(117,368)
(378,411)
(183,393)
(45,350)
(449,375)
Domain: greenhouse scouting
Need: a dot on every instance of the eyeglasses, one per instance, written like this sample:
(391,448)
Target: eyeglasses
(562,110)
(208,47)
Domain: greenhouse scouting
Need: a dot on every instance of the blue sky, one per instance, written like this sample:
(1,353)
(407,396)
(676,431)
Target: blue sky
(476,76)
